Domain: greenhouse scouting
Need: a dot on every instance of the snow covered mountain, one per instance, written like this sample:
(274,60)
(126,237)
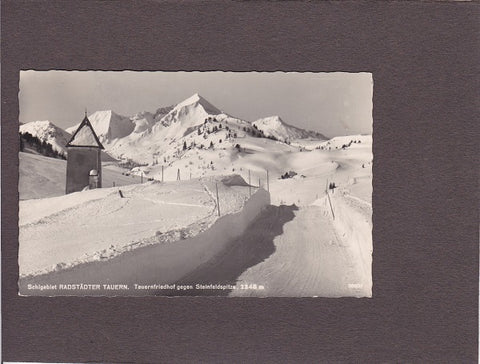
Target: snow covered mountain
(48,132)
(163,134)
(193,123)
(174,132)
(108,125)
(187,114)
(274,126)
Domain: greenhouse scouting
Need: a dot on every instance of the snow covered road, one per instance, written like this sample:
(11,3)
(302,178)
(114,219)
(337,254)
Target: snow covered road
(309,260)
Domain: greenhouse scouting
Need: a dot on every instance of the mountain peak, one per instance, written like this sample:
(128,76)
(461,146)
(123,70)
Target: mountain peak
(43,125)
(196,99)
(108,125)
(274,118)
(274,126)
(272,121)
(48,132)
(103,113)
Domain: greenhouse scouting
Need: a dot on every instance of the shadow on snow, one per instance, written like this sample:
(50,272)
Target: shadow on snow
(253,247)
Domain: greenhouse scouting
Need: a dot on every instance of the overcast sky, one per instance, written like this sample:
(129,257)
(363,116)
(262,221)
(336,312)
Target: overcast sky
(331,103)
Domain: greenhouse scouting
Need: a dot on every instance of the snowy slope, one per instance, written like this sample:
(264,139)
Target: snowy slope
(41,177)
(161,112)
(143,121)
(339,142)
(275,127)
(47,131)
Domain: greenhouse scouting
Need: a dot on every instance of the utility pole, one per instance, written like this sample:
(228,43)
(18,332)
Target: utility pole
(249,185)
(178,174)
(331,207)
(259,183)
(218,202)
(268,182)
(162,173)
(141,176)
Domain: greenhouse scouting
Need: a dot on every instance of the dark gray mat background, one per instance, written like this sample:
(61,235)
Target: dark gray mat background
(425,62)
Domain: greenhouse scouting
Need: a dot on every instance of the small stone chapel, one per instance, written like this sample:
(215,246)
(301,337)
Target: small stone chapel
(84,164)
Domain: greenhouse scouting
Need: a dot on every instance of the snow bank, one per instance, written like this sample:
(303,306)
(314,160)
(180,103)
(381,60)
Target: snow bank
(61,232)
(316,255)
(353,223)
(159,263)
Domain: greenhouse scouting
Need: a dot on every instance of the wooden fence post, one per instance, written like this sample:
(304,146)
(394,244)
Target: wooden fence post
(218,202)
(268,182)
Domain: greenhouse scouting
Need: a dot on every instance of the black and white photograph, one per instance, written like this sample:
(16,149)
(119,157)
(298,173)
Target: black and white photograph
(239,184)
